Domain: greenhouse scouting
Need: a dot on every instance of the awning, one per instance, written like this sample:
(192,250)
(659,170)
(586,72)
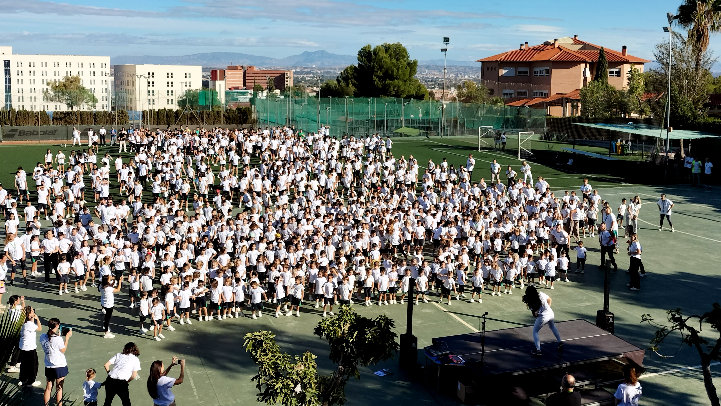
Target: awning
(649,131)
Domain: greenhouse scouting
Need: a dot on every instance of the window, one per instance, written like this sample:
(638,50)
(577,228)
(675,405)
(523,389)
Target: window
(508,71)
(507,93)
(541,71)
(521,93)
(540,93)
(522,72)
(614,72)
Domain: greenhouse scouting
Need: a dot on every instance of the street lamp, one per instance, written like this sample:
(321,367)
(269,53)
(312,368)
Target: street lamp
(385,119)
(669,30)
(346,115)
(446,41)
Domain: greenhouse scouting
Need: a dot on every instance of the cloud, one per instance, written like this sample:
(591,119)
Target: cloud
(538,28)
(65,9)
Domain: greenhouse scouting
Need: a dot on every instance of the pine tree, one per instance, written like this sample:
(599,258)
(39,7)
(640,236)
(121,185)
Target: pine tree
(601,67)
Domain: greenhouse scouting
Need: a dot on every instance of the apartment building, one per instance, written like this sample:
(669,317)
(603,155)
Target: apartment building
(152,87)
(26,77)
(550,75)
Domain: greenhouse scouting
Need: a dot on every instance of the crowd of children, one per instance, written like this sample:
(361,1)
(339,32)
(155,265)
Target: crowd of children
(241,219)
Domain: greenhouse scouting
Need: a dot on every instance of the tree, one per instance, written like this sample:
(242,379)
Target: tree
(70,92)
(601,67)
(689,86)
(355,341)
(600,100)
(701,18)
(635,91)
(257,88)
(383,71)
(707,350)
(335,88)
(270,85)
(472,92)
(197,99)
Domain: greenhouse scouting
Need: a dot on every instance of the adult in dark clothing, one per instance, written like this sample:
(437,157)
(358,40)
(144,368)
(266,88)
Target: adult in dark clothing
(608,245)
(566,397)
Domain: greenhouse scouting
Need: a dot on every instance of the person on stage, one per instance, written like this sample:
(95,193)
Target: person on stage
(540,305)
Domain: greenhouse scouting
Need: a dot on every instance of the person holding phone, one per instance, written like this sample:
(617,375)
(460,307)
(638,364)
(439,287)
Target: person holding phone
(28,348)
(160,385)
(55,344)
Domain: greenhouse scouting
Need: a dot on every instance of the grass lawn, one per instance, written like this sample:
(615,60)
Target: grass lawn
(683,272)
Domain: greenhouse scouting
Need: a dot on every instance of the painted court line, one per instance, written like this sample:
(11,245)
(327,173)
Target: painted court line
(192,384)
(458,319)
(671,371)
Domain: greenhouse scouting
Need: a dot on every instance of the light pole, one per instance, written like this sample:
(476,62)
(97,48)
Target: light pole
(320,78)
(669,30)
(446,41)
(346,115)
(385,120)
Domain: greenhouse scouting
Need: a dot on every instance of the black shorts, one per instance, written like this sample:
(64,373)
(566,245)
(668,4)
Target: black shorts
(551,278)
(228,305)
(294,301)
(64,278)
(318,296)
(214,305)
(256,306)
(200,302)
(158,321)
(508,282)
(477,289)
(461,288)
(344,302)
(52,374)
(329,301)
(281,300)
(142,318)
(183,309)
(133,293)
(445,291)
(367,291)
(392,290)
(495,283)
(591,222)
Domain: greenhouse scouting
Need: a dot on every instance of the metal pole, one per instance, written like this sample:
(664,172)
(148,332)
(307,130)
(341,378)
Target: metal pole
(346,115)
(385,119)
(668,117)
(403,113)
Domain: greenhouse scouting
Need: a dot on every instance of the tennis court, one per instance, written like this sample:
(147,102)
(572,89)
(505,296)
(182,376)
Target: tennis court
(682,266)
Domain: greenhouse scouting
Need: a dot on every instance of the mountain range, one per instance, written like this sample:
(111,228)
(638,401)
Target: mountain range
(319,59)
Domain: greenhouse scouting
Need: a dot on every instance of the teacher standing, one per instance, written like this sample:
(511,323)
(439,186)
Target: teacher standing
(125,369)
(28,348)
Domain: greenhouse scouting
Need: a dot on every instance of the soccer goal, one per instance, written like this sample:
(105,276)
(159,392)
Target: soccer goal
(485,131)
(525,137)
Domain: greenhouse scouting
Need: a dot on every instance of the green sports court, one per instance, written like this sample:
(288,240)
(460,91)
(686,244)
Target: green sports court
(683,271)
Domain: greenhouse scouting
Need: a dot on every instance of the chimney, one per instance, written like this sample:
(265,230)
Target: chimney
(520,47)
(575,36)
(623,50)
(555,42)
(525,46)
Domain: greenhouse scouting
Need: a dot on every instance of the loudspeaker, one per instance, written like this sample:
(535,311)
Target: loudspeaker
(605,320)
(409,351)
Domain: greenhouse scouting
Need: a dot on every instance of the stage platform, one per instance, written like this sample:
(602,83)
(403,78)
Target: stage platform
(592,354)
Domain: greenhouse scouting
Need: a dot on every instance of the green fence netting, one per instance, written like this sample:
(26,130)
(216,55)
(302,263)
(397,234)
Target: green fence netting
(365,116)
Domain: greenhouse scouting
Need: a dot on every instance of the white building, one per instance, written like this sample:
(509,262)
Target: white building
(25,77)
(143,87)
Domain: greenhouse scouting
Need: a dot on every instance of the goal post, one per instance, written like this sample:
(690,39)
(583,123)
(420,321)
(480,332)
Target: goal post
(485,131)
(523,137)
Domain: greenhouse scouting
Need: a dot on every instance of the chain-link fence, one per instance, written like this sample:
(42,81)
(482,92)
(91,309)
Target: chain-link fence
(393,116)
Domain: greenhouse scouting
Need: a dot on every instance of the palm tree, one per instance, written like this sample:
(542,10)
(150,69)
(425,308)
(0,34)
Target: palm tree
(701,18)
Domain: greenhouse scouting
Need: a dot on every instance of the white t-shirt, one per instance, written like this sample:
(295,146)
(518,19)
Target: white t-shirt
(165,394)
(628,395)
(546,312)
(54,358)
(123,366)
(27,336)
(107,297)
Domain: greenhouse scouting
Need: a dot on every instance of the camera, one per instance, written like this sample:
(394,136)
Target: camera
(64,330)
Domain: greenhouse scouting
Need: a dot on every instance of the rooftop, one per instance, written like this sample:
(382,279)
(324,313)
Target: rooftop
(564,49)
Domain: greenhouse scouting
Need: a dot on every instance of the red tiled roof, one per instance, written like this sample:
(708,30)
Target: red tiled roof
(548,52)
(573,95)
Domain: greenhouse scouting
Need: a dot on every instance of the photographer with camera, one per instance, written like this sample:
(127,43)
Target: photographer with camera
(28,348)
(160,385)
(125,369)
(55,343)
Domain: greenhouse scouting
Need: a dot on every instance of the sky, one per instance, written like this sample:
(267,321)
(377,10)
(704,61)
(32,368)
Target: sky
(279,28)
